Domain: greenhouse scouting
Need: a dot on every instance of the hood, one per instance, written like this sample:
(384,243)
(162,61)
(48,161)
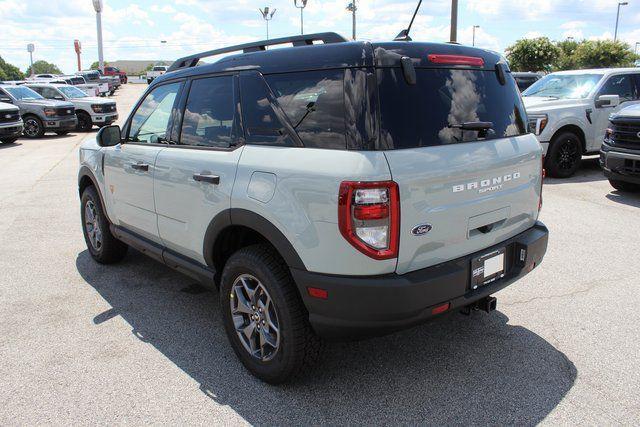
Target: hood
(632,111)
(96,100)
(8,107)
(546,103)
(47,103)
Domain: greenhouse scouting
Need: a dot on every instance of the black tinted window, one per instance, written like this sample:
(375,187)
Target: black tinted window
(262,124)
(621,85)
(151,120)
(209,113)
(420,115)
(314,103)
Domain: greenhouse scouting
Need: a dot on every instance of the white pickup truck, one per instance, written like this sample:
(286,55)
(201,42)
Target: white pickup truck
(569,112)
(156,72)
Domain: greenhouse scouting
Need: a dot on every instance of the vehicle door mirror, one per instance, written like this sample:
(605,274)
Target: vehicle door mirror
(109,136)
(604,101)
(59,97)
(5,99)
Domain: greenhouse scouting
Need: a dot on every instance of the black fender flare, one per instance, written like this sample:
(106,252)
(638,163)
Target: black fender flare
(261,225)
(86,172)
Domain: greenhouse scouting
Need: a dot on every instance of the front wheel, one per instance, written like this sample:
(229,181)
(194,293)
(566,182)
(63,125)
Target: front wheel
(264,317)
(624,186)
(564,155)
(33,127)
(84,122)
(102,245)
(8,140)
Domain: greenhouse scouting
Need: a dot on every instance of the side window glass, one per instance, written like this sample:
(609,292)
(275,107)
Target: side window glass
(209,113)
(49,93)
(619,85)
(151,119)
(262,125)
(39,90)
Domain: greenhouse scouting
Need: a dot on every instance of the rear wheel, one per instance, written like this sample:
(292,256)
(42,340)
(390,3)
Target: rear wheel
(624,186)
(264,317)
(84,122)
(102,245)
(564,155)
(33,127)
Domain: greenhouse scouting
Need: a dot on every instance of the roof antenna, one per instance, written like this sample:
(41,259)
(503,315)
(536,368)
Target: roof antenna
(403,36)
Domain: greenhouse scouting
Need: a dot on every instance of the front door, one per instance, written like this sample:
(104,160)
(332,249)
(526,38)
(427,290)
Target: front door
(195,174)
(622,85)
(129,167)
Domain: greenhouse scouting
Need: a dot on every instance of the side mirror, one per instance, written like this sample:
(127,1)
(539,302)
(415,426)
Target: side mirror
(109,136)
(59,97)
(6,99)
(607,101)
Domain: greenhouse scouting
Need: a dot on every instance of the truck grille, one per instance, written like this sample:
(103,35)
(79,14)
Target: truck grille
(9,117)
(631,167)
(67,111)
(626,135)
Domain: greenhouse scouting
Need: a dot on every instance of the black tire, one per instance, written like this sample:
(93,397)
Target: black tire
(624,186)
(110,250)
(9,140)
(62,133)
(33,127)
(149,81)
(298,346)
(84,122)
(564,155)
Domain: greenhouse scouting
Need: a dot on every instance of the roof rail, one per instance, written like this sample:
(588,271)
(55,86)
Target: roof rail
(303,40)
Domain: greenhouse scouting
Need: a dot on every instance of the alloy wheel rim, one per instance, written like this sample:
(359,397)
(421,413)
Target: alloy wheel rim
(567,155)
(254,317)
(92,225)
(31,127)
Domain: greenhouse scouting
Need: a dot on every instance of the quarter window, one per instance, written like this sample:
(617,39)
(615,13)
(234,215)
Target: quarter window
(151,119)
(209,113)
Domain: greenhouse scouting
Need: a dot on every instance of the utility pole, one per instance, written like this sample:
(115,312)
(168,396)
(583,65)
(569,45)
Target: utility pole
(77,46)
(620,3)
(454,21)
(473,43)
(303,5)
(97,5)
(351,7)
(636,48)
(30,48)
(267,17)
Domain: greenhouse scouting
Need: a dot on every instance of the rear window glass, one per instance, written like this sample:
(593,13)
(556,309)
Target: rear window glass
(314,103)
(420,115)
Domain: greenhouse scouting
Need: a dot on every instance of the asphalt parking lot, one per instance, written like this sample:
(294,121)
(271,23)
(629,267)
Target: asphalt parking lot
(138,343)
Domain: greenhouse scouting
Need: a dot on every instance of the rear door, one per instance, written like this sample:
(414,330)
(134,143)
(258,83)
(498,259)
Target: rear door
(195,174)
(129,167)
(471,188)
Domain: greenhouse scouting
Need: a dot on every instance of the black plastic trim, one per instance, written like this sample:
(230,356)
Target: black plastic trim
(85,171)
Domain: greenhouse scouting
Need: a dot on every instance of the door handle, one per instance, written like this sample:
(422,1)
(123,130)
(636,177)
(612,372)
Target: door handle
(205,177)
(140,166)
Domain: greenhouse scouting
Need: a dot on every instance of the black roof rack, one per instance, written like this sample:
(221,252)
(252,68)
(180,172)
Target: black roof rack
(307,39)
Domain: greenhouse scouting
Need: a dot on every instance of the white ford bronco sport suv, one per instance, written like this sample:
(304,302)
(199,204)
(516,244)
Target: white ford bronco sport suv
(569,112)
(329,190)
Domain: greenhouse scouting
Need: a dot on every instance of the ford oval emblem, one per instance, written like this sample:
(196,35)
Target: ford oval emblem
(421,229)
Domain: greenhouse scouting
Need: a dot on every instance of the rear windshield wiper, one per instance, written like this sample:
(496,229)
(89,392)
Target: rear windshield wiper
(479,126)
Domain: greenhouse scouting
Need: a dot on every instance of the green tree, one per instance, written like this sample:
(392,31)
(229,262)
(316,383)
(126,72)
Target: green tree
(603,54)
(43,67)
(566,60)
(9,72)
(96,65)
(537,54)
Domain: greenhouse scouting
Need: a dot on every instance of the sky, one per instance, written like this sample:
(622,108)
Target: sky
(135,29)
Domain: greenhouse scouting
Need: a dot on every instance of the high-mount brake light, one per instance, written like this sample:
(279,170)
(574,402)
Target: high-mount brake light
(473,61)
(369,217)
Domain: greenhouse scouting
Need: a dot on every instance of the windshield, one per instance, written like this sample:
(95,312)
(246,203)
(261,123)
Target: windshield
(22,93)
(72,92)
(564,86)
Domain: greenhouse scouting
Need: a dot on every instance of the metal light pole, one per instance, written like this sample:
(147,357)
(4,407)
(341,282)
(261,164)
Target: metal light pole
(351,7)
(30,48)
(473,43)
(97,5)
(77,46)
(267,17)
(454,21)
(303,4)
(620,3)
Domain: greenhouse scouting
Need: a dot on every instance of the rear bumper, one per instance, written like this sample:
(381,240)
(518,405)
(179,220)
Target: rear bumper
(620,165)
(361,307)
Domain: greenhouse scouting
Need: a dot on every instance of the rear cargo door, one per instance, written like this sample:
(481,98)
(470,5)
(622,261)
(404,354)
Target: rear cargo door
(461,191)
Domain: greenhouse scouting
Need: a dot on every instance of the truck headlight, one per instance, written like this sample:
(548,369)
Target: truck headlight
(50,112)
(97,108)
(537,123)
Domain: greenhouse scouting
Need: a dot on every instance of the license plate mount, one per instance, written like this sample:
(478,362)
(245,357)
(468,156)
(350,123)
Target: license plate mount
(488,268)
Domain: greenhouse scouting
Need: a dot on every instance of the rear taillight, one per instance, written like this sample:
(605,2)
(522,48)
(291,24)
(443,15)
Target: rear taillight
(369,217)
(473,61)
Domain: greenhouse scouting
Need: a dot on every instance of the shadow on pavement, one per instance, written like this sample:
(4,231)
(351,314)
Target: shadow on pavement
(589,171)
(4,145)
(456,370)
(625,198)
